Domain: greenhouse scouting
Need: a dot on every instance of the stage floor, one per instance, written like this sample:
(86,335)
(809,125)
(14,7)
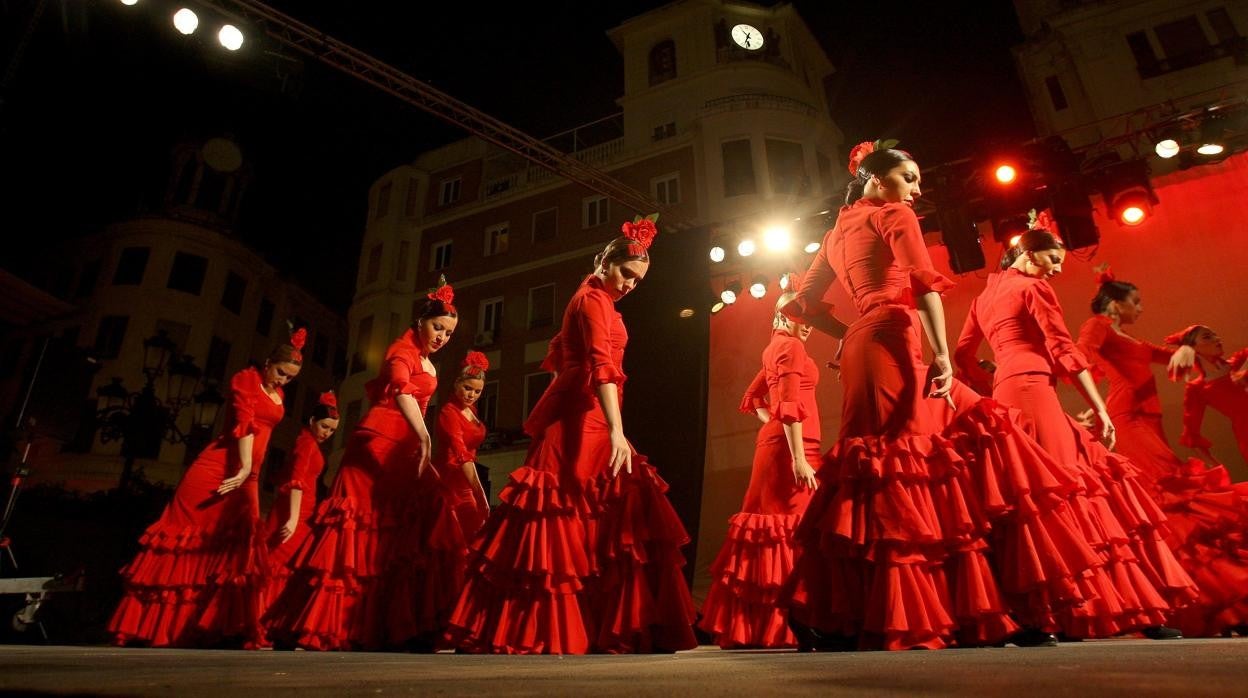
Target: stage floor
(1105,668)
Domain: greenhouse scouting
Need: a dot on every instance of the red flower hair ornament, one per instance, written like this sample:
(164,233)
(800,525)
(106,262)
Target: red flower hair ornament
(865,148)
(443,292)
(1104,274)
(330,401)
(476,363)
(298,338)
(641,230)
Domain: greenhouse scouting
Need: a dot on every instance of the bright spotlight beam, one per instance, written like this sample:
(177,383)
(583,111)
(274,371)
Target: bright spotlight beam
(777,238)
(186,21)
(230,37)
(1005,174)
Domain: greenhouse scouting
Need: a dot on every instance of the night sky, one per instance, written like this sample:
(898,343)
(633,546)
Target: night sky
(103,92)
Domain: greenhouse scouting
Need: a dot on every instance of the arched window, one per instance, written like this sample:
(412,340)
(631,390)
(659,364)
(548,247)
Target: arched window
(662,62)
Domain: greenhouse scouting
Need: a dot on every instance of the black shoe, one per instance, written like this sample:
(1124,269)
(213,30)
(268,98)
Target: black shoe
(1063,638)
(811,640)
(1161,632)
(1032,637)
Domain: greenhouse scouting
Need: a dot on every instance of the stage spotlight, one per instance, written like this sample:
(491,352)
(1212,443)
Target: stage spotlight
(729,295)
(717,254)
(1212,135)
(230,37)
(813,247)
(1129,194)
(186,21)
(129,3)
(1005,174)
(1015,240)
(718,306)
(758,287)
(746,248)
(1132,207)
(777,238)
(686,312)
(784,282)
(1168,144)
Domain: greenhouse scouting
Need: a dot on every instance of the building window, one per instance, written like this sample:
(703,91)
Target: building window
(374,264)
(738,168)
(320,349)
(235,289)
(87,279)
(187,274)
(1056,94)
(440,255)
(534,385)
(218,359)
(405,251)
(593,211)
(177,332)
(496,239)
(131,266)
(412,205)
(383,200)
(664,131)
(1184,42)
(363,338)
(487,405)
(787,166)
(1145,58)
(264,318)
(1223,27)
(448,191)
(489,321)
(666,189)
(662,62)
(110,335)
(545,224)
(542,306)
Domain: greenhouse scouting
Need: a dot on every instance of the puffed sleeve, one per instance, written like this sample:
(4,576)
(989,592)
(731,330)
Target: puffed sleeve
(244,389)
(1193,416)
(594,320)
(900,229)
(554,354)
(306,462)
(1042,302)
(756,395)
(1238,359)
(1092,337)
(815,284)
(965,356)
(786,365)
(399,370)
(450,429)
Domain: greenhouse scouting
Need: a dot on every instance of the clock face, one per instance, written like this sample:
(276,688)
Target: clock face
(747,37)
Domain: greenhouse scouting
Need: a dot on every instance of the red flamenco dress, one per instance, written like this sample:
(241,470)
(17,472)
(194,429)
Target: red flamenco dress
(458,439)
(1206,514)
(741,609)
(1227,394)
(199,577)
(385,557)
(574,560)
(306,463)
(932,525)
(1140,581)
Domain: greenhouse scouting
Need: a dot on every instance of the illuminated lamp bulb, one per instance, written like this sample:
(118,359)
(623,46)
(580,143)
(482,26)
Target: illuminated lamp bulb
(186,21)
(777,238)
(1166,148)
(718,306)
(1014,240)
(717,254)
(1005,174)
(129,3)
(686,312)
(758,287)
(746,248)
(230,37)
(813,247)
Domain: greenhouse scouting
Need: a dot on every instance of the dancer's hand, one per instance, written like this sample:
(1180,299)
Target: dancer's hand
(1086,419)
(940,377)
(804,474)
(230,484)
(1181,361)
(288,529)
(621,453)
(1104,430)
(423,455)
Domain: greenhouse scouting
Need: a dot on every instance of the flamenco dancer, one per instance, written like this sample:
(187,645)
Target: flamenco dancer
(1219,383)
(288,522)
(926,478)
(199,578)
(385,555)
(741,608)
(1019,314)
(1206,513)
(459,433)
(583,552)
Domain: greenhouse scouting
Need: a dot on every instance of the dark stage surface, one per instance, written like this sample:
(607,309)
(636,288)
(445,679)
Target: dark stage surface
(1106,668)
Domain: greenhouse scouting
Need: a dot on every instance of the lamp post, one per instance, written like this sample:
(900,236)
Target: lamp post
(142,420)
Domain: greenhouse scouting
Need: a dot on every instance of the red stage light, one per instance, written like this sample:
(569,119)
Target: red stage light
(1005,174)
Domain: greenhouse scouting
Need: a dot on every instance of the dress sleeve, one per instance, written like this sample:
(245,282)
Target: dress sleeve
(1193,416)
(786,364)
(398,371)
(900,229)
(450,429)
(303,466)
(1042,302)
(756,395)
(244,389)
(554,354)
(1092,337)
(814,286)
(1238,359)
(965,355)
(594,319)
